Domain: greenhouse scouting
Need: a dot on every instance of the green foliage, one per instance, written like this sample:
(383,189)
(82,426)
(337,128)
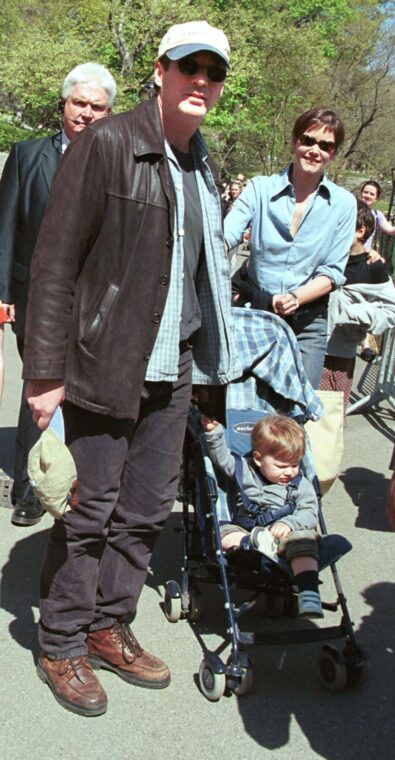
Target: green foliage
(9,134)
(287,55)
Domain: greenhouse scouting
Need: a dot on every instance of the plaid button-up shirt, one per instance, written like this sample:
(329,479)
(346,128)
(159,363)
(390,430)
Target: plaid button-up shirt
(214,357)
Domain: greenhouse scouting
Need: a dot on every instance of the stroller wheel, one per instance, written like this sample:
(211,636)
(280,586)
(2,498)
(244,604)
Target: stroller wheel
(358,665)
(212,684)
(332,668)
(172,601)
(240,683)
(245,684)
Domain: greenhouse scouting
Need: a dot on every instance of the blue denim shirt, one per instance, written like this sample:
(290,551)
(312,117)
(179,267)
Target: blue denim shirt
(279,262)
(214,357)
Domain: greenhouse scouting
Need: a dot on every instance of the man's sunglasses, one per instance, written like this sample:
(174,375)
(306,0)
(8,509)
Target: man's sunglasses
(326,146)
(190,66)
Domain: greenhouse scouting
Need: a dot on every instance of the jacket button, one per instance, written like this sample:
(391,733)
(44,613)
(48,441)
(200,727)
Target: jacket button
(156,318)
(169,241)
(147,356)
(163,280)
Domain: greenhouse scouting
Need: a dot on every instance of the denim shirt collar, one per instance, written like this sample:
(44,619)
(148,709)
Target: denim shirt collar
(284,186)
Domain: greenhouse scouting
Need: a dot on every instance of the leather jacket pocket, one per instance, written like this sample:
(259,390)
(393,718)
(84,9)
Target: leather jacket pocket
(95,325)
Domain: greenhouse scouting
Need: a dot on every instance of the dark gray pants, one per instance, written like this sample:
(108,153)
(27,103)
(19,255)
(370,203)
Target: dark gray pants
(26,436)
(98,554)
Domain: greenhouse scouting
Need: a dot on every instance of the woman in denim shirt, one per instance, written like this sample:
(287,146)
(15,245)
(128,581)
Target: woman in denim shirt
(302,226)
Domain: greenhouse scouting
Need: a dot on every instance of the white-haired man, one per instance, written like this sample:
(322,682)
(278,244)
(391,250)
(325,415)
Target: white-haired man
(88,94)
(138,297)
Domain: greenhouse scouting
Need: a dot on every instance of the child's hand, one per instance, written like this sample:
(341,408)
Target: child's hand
(374,256)
(280,530)
(208,423)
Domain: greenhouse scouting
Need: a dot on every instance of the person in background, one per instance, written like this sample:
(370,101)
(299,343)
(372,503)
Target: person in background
(370,192)
(87,96)
(366,300)
(6,315)
(234,192)
(302,226)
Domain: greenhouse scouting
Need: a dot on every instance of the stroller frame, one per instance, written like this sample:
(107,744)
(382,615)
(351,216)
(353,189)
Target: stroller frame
(350,666)
(273,380)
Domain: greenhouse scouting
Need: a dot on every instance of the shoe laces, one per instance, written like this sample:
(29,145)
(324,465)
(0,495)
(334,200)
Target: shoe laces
(72,665)
(124,636)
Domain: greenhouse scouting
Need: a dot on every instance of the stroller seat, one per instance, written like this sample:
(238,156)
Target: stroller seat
(273,381)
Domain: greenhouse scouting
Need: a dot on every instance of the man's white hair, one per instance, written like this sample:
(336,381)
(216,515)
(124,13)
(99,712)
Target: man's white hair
(90,73)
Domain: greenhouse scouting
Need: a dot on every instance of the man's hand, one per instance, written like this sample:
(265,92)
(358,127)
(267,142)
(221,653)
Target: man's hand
(280,530)
(284,304)
(43,396)
(8,311)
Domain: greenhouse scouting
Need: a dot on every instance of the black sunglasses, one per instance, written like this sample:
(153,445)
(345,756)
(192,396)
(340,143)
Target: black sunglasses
(190,66)
(326,146)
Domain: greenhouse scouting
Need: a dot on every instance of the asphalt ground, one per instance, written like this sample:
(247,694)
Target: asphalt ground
(288,713)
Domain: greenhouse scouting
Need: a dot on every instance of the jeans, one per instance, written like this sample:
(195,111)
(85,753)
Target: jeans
(98,554)
(310,328)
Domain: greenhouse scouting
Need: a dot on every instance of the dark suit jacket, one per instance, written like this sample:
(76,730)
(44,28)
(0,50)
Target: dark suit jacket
(24,188)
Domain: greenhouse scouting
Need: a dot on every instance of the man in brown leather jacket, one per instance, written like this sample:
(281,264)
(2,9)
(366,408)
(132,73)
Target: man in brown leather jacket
(135,304)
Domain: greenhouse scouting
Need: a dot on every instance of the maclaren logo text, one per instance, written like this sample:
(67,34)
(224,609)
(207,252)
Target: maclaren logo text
(245,428)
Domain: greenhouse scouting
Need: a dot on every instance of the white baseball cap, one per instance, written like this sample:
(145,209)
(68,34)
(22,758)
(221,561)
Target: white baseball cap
(192,37)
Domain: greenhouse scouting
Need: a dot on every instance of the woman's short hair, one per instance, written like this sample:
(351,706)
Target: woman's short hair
(90,73)
(365,218)
(278,436)
(375,185)
(320,117)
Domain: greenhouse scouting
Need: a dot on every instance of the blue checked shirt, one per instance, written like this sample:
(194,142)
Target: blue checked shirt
(279,262)
(214,357)
(275,380)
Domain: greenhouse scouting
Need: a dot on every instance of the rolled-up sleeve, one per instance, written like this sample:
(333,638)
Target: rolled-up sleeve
(343,236)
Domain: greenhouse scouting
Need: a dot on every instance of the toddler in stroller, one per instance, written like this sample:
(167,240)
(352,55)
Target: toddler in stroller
(272,384)
(277,511)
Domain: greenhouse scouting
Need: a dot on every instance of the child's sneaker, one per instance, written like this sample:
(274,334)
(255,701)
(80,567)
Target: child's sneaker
(310,604)
(263,540)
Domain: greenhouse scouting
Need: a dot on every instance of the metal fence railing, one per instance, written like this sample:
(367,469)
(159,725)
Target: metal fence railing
(385,382)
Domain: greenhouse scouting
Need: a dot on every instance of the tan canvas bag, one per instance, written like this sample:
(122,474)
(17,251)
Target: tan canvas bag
(326,438)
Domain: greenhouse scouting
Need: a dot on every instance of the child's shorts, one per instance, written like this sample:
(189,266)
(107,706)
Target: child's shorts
(299,543)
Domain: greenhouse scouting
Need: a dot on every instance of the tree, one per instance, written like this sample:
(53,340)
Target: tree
(287,55)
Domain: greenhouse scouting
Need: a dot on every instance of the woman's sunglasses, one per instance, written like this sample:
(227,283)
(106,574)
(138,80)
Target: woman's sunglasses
(190,66)
(325,145)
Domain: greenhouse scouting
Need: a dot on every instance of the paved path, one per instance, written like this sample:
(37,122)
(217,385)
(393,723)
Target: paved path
(287,715)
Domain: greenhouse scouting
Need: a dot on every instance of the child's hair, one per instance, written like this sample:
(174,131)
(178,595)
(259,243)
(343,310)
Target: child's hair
(365,218)
(279,436)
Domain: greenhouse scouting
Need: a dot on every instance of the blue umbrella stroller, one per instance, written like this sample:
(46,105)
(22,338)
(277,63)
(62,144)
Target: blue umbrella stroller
(273,381)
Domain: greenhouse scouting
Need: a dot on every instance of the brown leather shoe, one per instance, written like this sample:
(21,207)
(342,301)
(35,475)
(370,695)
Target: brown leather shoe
(74,684)
(118,650)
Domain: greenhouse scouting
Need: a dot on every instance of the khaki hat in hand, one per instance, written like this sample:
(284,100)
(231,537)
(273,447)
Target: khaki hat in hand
(53,474)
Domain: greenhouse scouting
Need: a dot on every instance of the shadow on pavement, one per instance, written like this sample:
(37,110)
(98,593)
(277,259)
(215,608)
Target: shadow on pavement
(355,723)
(286,685)
(19,590)
(367,490)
